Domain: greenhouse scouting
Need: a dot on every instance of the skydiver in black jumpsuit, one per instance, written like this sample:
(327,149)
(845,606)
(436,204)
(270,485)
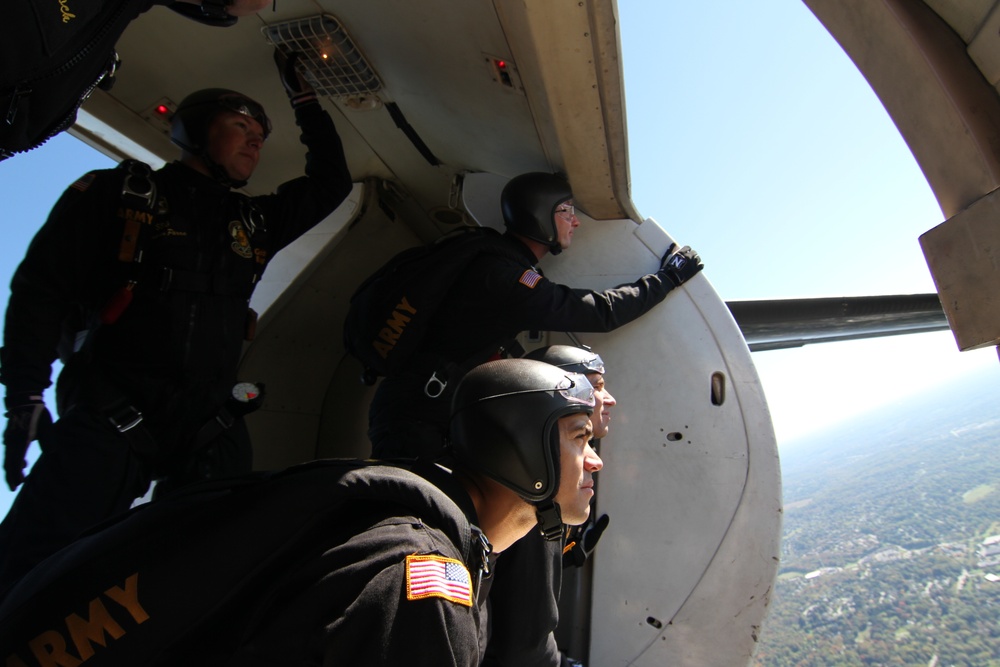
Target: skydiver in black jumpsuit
(495,299)
(147,391)
(331,562)
(498,297)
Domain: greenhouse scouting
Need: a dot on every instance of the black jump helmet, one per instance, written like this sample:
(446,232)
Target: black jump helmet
(569,358)
(504,424)
(189,124)
(528,203)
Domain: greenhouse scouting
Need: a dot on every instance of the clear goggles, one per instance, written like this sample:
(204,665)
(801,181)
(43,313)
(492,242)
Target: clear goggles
(567,210)
(246,107)
(594,365)
(576,388)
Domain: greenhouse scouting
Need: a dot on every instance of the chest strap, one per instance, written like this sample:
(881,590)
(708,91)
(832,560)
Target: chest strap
(140,206)
(138,203)
(121,414)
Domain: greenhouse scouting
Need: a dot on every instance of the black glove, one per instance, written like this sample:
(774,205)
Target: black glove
(296,87)
(212,12)
(582,541)
(679,266)
(27,420)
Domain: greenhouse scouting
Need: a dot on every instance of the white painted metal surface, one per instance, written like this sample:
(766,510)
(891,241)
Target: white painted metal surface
(683,574)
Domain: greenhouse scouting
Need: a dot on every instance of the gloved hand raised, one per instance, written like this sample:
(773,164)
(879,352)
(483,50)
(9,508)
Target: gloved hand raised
(296,87)
(679,266)
(582,541)
(27,420)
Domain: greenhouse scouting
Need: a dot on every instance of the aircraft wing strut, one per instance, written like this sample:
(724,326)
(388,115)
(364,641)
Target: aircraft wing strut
(775,324)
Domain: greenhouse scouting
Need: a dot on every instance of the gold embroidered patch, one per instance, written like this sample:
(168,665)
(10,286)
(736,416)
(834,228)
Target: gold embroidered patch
(241,242)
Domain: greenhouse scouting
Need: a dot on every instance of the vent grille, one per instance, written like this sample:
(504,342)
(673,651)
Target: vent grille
(329,59)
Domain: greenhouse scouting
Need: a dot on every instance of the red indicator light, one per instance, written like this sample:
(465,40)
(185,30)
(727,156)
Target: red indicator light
(501,72)
(162,109)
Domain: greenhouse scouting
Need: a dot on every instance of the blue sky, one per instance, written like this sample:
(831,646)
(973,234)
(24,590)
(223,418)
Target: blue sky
(754,139)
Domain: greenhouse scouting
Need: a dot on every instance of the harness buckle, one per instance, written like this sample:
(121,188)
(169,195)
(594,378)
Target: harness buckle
(126,420)
(251,216)
(139,183)
(435,386)
(485,549)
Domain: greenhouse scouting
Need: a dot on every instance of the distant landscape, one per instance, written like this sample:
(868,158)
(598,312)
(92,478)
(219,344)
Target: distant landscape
(883,554)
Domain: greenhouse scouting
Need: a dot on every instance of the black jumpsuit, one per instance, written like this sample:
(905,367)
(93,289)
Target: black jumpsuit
(496,298)
(329,563)
(173,352)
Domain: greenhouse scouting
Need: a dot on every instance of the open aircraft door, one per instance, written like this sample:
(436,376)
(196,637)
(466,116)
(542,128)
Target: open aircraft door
(683,574)
(691,482)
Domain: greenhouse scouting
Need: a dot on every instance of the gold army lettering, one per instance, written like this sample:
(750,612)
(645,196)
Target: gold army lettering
(131,214)
(394,326)
(55,647)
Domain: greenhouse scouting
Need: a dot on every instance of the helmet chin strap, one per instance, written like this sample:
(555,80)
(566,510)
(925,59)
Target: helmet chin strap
(550,522)
(219,173)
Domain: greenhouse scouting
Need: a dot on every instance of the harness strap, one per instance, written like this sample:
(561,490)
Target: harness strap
(445,371)
(550,522)
(138,191)
(227,416)
(124,417)
(214,427)
(219,424)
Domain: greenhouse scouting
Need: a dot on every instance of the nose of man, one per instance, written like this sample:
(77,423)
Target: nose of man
(592,462)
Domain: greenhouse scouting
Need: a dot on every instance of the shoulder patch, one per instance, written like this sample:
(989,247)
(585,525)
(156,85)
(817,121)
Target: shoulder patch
(438,577)
(84,182)
(530,278)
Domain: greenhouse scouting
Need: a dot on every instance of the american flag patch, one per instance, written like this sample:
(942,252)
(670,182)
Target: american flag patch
(84,182)
(438,577)
(530,278)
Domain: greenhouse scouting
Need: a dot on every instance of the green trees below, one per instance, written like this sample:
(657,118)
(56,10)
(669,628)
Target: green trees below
(880,556)
(903,612)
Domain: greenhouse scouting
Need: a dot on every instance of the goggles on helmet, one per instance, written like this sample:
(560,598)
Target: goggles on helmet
(594,365)
(576,388)
(246,107)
